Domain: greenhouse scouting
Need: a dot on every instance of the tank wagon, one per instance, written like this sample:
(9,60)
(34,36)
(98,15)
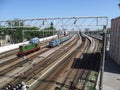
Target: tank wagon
(56,42)
(18,86)
(29,48)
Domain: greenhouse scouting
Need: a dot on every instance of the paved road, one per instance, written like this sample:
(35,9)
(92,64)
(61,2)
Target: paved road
(111,75)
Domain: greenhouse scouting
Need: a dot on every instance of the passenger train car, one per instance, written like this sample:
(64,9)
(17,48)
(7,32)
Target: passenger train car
(56,42)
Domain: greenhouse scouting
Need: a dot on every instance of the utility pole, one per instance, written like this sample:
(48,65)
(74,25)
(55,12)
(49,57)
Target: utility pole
(43,33)
(23,35)
(103,59)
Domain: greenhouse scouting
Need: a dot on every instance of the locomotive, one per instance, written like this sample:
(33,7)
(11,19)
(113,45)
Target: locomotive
(29,48)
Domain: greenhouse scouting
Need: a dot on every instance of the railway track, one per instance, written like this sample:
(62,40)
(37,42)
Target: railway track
(17,63)
(84,74)
(90,63)
(10,65)
(13,52)
(42,65)
(10,56)
(74,79)
(72,75)
(17,66)
(40,85)
(8,53)
(7,62)
(44,83)
(5,73)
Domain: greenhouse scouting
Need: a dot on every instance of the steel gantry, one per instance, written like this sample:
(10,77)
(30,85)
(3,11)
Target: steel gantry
(60,23)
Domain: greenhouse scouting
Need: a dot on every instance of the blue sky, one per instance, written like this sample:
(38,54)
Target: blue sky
(10,9)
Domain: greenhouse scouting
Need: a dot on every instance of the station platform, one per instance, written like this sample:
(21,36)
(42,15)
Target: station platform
(15,46)
(111,78)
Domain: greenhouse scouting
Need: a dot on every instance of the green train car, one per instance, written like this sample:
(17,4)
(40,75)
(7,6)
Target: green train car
(27,48)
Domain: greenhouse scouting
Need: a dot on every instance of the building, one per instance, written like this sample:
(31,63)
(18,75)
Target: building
(2,42)
(5,40)
(115,40)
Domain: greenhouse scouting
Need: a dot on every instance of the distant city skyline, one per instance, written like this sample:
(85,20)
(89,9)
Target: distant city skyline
(23,9)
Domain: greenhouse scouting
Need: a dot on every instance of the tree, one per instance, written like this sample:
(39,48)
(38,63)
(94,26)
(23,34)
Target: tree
(15,31)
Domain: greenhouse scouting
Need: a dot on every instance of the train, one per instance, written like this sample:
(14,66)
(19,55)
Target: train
(29,48)
(56,42)
(33,45)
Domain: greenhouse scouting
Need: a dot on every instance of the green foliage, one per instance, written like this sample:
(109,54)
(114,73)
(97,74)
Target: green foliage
(16,32)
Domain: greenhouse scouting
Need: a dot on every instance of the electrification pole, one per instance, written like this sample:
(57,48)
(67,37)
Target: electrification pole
(103,58)
(23,35)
